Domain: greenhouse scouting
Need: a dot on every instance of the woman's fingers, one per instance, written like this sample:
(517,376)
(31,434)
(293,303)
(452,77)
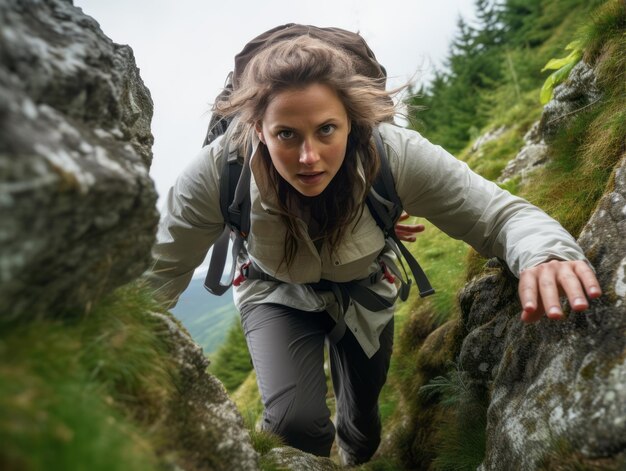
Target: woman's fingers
(576,279)
(404,216)
(407,236)
(409,228)
(588,279)
(541,288)
(529,296)
(406,232)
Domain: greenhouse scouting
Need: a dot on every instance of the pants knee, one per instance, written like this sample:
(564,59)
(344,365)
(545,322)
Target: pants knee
(300,427)
(360,435)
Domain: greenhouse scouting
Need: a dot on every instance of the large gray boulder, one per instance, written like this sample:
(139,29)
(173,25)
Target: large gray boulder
(557,386)
(77,207)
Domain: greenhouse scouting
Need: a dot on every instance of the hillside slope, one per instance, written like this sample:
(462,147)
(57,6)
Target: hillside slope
(453,360)
(205,316)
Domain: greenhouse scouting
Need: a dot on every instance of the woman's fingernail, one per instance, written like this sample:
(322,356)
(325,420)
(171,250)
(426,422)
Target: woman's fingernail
(580,302)
(555,311)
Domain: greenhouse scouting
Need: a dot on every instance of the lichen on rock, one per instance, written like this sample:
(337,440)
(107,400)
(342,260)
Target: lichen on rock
(555,380)
(76,202)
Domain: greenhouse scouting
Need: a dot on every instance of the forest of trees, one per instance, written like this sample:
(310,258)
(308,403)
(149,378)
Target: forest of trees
(491,64)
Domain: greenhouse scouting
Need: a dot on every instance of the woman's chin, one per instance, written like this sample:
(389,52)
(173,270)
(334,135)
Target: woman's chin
(310,192)
(310,188)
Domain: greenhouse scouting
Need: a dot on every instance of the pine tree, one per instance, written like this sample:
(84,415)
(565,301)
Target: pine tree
(232,363)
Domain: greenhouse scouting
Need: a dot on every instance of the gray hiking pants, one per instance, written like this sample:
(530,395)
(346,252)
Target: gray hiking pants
(287,349)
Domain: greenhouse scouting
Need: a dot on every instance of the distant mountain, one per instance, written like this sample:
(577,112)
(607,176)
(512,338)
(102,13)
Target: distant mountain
(207,317)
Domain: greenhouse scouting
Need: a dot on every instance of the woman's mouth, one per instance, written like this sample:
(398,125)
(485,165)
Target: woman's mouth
(312,178)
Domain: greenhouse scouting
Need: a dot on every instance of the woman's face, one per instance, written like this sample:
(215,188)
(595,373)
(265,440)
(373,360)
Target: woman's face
(306,132)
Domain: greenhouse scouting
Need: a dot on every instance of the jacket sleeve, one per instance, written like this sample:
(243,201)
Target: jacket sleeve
(190,223)
(433,184)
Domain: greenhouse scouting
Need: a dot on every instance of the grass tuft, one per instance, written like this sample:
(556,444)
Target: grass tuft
(461,435)
(74,388)
(563,456)
(264,441)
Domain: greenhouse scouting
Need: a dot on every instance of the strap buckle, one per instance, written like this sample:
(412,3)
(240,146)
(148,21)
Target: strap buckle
(387,275)
(243,274)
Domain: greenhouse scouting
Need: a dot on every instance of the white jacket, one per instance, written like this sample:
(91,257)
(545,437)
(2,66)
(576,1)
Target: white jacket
(430,183)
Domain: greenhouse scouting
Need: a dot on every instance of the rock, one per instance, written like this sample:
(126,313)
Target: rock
(532,156)
(205,428)
(440,347)
(555,381)
(483,347)
(578,92)
(490,135)
(295,460)
(76,203)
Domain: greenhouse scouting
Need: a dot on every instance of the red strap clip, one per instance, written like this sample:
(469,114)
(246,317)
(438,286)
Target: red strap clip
(243,274)
(387,275)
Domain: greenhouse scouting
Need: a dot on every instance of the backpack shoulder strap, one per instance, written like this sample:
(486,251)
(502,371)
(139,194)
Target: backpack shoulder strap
(386,208)
(235,208)
(385,186)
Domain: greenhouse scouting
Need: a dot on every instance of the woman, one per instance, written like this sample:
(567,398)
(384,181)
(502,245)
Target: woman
(308,118)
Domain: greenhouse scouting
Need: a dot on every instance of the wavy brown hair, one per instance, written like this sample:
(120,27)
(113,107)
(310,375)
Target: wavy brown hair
(296,64)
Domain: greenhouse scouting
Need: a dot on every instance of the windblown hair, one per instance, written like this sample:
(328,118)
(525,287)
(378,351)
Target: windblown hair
(296,64)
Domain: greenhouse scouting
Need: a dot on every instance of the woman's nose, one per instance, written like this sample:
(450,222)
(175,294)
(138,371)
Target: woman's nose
(309,153)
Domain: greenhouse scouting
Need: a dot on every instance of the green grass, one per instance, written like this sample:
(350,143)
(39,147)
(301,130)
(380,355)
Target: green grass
(583,155)
(564,456)
(604,36)
(248,400)
(492,157)
(75,392)
(461,435)
(442,258)
(263,441)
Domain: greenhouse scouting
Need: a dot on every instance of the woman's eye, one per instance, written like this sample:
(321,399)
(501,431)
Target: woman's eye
(327,129)
(285,134)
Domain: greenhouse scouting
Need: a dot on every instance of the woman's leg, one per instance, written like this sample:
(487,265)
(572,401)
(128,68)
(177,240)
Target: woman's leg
(357,381)
(287,349)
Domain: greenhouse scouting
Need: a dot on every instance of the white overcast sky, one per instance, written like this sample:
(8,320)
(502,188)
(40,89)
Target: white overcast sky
(185,49)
